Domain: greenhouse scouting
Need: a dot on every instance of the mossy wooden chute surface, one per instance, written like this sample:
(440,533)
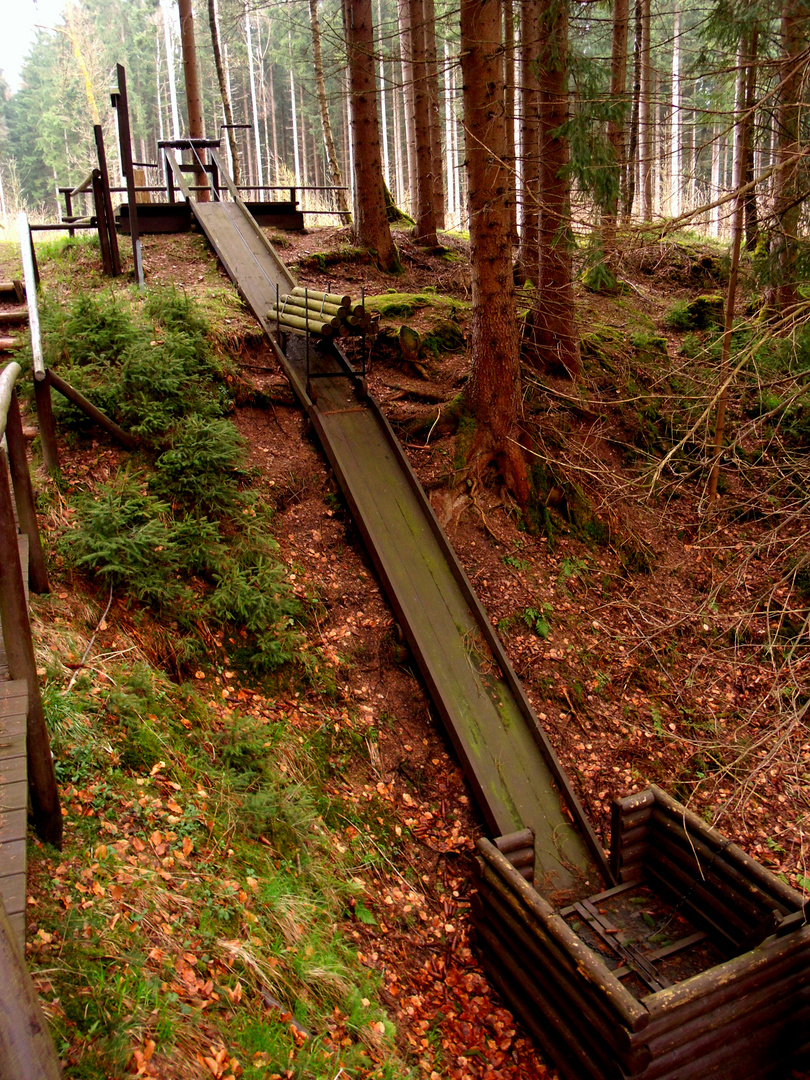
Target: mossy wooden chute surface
(508,759)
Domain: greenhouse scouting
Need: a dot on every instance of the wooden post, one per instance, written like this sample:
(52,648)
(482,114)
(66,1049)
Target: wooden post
(101,224)
(22,665)
(47,425)
(68,193)
(26,1047)
(24,498)
(101,154)
(121,104)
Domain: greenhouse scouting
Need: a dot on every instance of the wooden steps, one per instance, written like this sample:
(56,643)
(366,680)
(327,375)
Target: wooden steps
(12,291)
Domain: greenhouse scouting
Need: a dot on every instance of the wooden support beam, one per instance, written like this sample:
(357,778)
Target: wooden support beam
(101,224)
(121,103)
(96,415)
(101,154)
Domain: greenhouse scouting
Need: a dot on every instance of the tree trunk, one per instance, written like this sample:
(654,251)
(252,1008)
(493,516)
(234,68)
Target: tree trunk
(715,179)
(528,260)
(224,92)
(493,392)
(646,132)
(396,111)
(406,54)
(193,99)
(371,227)
(294,126)
(675,153)
(751,217)
(253,103)
(383,106)
(551,341)
(788,200)
(167,39)
(273,123)
(509,99)
(425,231)
(434,113)
(328,138)
(738,172)
(631,169)
(615,129)
(449,138)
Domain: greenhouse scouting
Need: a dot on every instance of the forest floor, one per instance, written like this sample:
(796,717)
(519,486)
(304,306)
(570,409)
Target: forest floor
(659,640)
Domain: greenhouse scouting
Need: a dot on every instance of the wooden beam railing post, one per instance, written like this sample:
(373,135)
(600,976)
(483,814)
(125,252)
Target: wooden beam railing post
(42,391)
(101,154)
(121,104)
(24,498)
(19,647)
(101,224)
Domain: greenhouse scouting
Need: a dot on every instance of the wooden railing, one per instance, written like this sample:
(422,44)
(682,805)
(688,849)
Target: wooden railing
(17,637)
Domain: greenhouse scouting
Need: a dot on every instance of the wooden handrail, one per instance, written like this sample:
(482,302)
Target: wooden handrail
(17,638)
(8,377)
(42,391)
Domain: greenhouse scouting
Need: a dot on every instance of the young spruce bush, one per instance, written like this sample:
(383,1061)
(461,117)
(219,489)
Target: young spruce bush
(183,537)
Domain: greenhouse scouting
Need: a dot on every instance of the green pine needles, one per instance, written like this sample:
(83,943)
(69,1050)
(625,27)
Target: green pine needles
(177,529)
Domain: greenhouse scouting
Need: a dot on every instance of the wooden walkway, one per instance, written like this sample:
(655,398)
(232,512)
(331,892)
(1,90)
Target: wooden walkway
(13,785)
(506,755)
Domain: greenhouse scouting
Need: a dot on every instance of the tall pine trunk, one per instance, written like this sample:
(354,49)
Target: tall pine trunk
(676,151)
(425,231)
(615,130)
(645,120)
(406,54)
(788,199)
(193,97)
(371,226)
(509,101)
(224,91)
(434,113)
(738,174)
(631,170)
(326,124)
(253,103)
(750,210)
(493,392)
(551,341)
(528,260)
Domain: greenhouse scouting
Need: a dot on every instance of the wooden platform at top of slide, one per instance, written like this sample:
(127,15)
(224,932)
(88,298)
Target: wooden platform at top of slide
(506,756)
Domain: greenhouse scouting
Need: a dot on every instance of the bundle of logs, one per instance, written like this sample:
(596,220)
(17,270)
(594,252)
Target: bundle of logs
(326,314)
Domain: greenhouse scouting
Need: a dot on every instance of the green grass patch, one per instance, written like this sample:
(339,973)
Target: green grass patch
(172,931)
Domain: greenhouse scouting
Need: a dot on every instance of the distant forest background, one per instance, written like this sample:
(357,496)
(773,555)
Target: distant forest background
(670,126)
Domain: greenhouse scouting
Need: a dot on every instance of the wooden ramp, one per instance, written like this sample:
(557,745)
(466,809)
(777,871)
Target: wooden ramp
(507,758)
(13,786)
